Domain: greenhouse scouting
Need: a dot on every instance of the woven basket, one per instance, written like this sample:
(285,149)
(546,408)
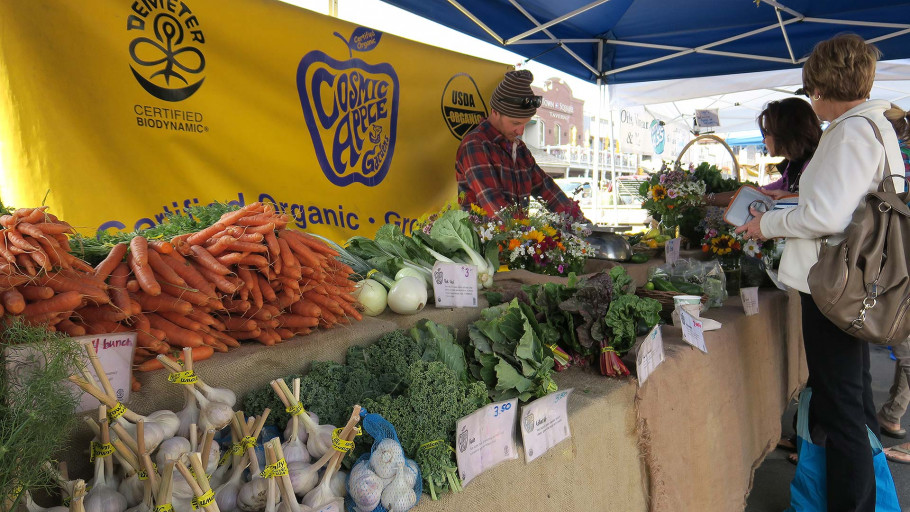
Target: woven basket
(665,299)
(715,138)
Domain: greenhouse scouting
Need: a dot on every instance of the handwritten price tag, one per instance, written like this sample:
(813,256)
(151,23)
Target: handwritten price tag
(455,285)
(671,250)
(749,296)
(544,424)
(650,355)
(692,330)
(485,438)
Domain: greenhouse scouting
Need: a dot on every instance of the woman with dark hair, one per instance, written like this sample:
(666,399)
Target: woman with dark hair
(790,129)
(848,164)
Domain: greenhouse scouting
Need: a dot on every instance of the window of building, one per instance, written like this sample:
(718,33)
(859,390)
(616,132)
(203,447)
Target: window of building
(573,139)
(542,134)
(558,130)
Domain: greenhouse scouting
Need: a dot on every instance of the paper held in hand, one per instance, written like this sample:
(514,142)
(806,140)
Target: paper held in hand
(544,423)
(738,213)
(485,438)
(455,285)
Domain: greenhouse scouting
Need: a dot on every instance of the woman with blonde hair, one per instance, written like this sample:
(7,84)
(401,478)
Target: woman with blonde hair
(848,164)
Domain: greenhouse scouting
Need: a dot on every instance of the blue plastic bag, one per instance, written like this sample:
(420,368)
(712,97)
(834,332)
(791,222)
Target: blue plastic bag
(808,490)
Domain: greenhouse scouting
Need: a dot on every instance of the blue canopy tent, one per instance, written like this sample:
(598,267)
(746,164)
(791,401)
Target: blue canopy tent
(629,41)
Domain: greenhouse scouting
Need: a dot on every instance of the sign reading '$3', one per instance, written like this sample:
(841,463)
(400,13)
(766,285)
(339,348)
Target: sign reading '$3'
(351,111)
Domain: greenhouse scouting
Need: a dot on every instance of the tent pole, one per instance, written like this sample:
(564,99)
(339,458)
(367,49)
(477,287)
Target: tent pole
(595,161)
(614,190)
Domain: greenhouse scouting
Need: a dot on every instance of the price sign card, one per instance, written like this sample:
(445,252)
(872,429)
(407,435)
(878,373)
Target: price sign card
(650,355)
(671,250)
(749,296)
(693,330)
(485,438)
(115,351)
(544,423)
(455,285)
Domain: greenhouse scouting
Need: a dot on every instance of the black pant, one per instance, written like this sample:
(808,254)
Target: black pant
(841,407)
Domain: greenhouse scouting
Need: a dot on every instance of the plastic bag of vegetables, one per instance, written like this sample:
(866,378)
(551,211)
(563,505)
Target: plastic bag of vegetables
(383,480)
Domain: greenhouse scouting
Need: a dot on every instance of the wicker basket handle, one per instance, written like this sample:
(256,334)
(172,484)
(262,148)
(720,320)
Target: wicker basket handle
(716,139)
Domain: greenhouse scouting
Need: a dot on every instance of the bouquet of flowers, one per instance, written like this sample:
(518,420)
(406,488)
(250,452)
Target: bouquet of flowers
(540,241)
(669,193)
(723,244)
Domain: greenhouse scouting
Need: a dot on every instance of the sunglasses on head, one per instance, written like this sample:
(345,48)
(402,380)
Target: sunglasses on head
(802,92)
(523,101)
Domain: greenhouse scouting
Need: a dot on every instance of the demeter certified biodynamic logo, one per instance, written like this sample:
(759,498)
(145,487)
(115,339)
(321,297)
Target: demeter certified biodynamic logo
(463,107)
(351,111)
(165,50)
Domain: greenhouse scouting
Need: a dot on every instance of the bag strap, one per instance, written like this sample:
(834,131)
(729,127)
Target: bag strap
(886,182)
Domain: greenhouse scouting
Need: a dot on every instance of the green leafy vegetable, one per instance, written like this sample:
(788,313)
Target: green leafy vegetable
(623,317)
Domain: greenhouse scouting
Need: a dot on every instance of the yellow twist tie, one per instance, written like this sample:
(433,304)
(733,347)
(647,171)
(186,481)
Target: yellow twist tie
(371,272)
(296,410)
(339,444)
(279,468)
(431,444)
(143,474)
(203,501)
(167,507)
(187,377)
(609,349)
(116,412)
(226,455)
(100,450)
(247,442)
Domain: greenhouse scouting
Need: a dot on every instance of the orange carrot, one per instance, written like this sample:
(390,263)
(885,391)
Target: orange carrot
(5,252)
(193,297)
(285,334)
(199,353)
(306,256)
(163,272)
(306,308)
(230,218)
(161,246)
(139,248)
(63,282)
(13,301)
(143,272)
(132,286)
(181,320)
(325,302)
(175,335)
(238,246)
(70,328)
(201,236)
(314,243)
(255,260)
(29,229)
(164,303)
(291,321)
(180,244)
(256,220)
(119,295)
(189,273)
(33,292)
(237,306)
(221,282)
(350,310)
(239,324)
(202,318)
(244,335)
(18,240)
(205,259)
(66,301)
(26,264)
(231,258)
(112,259)
(54,228)
(106,313)
(75,262)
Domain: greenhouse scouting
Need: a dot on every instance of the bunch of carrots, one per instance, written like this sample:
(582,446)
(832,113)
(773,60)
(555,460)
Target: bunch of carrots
(246,277)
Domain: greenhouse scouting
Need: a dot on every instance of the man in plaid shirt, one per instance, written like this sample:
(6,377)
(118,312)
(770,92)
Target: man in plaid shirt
(493,166)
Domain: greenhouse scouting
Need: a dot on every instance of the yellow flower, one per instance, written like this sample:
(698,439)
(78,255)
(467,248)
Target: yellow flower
(524,222)
(477,210)
(658,193)
(549,231)
(534,235)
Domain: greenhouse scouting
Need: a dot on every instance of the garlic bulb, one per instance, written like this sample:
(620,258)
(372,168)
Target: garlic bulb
(103,497)
(302,433)
(304,476)
(365,487)
(387,458)
(335,505)
(172,449)
(410,470)
(319,441)
(31,506)
(132,489)
(252,495)
(225,396)
(397,496)
(226,493)
(339,483)
(188,415)
(213,415)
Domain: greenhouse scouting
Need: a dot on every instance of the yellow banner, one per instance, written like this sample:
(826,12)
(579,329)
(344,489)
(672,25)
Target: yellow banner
(117,113)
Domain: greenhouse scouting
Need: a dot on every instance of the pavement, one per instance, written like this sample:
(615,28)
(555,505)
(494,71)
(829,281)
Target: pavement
(771,486)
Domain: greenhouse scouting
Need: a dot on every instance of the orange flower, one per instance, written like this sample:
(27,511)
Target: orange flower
(514,243)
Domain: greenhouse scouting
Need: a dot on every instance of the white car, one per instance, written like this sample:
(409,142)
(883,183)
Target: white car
(579,189)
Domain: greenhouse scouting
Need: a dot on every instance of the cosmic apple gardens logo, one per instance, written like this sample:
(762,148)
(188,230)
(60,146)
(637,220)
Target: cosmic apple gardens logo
(165,50)
(351,111)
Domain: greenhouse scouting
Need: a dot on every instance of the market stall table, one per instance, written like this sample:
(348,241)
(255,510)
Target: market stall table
(689,439)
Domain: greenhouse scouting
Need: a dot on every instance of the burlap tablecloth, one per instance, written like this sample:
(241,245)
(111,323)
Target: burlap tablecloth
(689,439)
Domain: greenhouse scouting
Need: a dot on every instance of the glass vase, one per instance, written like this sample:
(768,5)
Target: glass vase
(733,271)
(668,226)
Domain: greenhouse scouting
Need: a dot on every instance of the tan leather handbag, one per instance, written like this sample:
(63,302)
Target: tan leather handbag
(862,284)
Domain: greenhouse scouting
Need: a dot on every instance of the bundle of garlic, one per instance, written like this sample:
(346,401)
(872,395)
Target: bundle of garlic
(386,478)
(216,409)
(323,495)
(319,439)
(104,496)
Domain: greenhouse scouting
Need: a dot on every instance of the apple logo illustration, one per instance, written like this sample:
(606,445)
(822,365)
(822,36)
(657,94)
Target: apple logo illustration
(351,111)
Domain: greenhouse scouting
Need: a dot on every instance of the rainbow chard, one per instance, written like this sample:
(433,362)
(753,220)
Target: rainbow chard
(610,364)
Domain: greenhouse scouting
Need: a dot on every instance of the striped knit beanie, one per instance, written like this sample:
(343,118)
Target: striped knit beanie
(514,84)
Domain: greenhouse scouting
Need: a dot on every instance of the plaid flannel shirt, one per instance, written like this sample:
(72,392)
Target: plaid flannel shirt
(494,173)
